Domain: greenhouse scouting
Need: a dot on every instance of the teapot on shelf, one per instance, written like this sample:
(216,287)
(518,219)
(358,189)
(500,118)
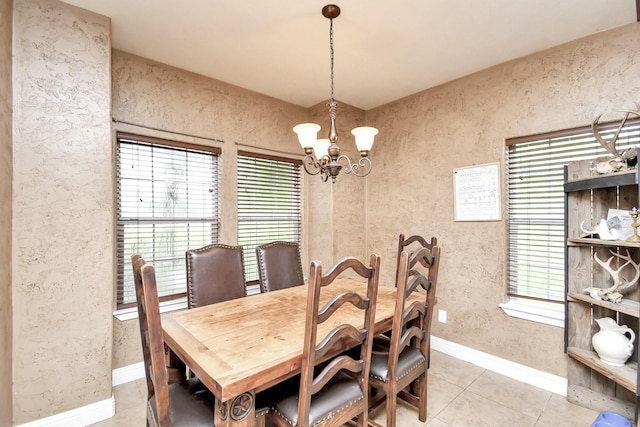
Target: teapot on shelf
(611,343)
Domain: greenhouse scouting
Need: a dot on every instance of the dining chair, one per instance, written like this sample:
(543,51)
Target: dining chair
(215,273)
(399,364)
(184,403)
(416,242)
(333,384)
(404,243)
(279,265)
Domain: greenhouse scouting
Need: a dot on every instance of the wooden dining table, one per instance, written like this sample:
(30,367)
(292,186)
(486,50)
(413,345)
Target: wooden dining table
(241,347)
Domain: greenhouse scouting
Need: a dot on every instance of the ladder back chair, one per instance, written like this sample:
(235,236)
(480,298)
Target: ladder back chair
(215,273)
(184,403)
(333,385)
(404,243)
(279,265)
(399,364)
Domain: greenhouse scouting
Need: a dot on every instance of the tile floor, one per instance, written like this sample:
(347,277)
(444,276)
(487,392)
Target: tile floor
(460,395)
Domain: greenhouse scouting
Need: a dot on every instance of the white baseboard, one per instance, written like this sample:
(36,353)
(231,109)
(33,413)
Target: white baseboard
(534,377)
(127,374)
(79,417)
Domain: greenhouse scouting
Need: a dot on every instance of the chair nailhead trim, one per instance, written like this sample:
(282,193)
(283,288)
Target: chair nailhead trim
(330,415)
(386,379)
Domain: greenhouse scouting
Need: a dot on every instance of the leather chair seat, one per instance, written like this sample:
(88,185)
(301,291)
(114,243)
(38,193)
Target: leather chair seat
(191,404)
(409,359)
(340,392)
(263,405)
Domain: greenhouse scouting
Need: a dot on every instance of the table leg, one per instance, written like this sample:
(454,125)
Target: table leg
(237,412)
(176,369)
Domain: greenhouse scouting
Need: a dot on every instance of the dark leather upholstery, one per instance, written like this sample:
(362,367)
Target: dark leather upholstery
(185,403)
(408,360)
(191,404)
(215,273)
(279,265)
(334,391)
(341,392)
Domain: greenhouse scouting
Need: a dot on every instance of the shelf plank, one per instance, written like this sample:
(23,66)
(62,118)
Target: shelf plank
(625,375)
(585,241)
(626,306)
(600,402)
(602,181)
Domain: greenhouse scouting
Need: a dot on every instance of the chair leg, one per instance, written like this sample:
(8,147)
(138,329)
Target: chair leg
(422,393)
(392,402)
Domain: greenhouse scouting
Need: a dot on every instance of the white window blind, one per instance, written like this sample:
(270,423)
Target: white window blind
(167,202)
(269,204)
(535,179)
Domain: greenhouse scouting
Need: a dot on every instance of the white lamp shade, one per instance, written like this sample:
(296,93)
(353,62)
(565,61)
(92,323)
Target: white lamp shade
(364,137)
(307,134)
(321,148)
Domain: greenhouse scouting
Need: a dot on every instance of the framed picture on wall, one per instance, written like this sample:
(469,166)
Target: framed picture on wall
(477,193)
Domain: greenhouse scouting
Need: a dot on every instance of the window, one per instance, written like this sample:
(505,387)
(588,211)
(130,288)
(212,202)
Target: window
(535,179)
(167,202)
(269,204)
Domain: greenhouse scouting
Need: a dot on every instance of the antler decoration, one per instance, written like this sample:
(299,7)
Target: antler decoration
(606,165)
(620,284)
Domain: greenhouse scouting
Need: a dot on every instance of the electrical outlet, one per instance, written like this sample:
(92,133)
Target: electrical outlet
(442,316)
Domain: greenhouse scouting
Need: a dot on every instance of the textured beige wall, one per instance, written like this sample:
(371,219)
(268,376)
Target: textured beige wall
(152,95)
(63,209)
(6,315)
(63,271)
(465,123)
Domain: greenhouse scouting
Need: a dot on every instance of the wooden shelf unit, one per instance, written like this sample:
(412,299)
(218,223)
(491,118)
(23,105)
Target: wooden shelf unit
(592,383)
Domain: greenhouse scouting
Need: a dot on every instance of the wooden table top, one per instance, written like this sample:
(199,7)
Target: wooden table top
(252,343)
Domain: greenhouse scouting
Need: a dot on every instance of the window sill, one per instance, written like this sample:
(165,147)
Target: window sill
(166,306)
(520,310)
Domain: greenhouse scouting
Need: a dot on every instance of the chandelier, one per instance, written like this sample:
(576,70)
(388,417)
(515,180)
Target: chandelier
(322,156)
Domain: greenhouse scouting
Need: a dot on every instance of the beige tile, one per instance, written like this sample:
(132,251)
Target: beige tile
(511,393)
(128,395)
(406,416)
(440,394)
(128,416)
(470,409)
(436,423)
(454,370)
(460,395)
(142,387)
(559,412)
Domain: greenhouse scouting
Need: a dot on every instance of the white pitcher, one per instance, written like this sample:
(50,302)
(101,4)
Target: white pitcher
(611,343)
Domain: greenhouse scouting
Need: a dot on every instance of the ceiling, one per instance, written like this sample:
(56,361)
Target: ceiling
(383,52)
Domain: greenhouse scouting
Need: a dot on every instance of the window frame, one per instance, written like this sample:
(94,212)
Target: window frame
(296,200)
(537,309)
(125,310)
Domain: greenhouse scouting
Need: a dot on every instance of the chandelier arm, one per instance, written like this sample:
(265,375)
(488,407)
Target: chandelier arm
(348,167)
(311,165)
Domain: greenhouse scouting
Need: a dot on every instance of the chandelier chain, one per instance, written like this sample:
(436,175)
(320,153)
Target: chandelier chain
(322,156)
(332,55)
